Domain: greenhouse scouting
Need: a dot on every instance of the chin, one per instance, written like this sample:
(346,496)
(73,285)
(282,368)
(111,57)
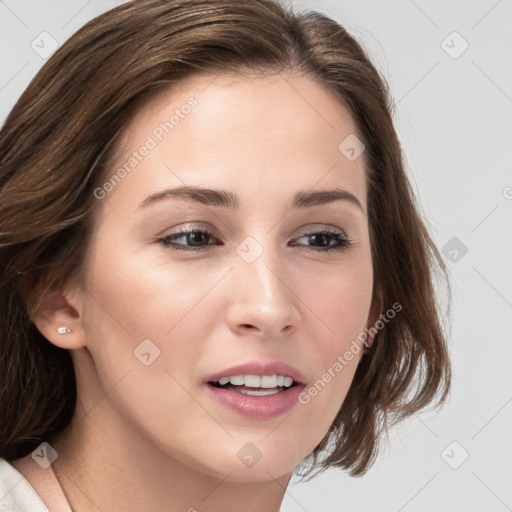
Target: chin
(244,463)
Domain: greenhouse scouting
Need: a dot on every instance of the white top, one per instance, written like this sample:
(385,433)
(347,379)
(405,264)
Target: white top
(16,494)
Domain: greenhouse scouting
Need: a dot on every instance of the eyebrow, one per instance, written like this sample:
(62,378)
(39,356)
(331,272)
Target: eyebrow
(226,199)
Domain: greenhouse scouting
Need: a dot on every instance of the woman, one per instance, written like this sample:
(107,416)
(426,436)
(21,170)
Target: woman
(214,271)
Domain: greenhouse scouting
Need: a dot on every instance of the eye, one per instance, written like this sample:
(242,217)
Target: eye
(325,239)
(198,240)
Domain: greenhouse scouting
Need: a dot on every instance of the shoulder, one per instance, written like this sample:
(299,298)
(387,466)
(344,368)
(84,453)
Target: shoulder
(15,491)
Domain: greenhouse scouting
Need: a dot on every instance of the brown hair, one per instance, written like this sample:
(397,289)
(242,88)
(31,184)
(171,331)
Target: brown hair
(54,150)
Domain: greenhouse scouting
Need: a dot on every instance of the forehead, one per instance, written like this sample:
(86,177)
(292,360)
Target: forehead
(243,131)
(258,103)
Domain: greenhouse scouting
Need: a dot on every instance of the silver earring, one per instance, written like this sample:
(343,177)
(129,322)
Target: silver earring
(63,330)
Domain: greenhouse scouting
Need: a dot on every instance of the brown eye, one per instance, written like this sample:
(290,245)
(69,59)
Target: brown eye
(194,240)
(327,240)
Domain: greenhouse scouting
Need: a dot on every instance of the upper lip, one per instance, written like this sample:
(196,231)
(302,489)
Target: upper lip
(260,368)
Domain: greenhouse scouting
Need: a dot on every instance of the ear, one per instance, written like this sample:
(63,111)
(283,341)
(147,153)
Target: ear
(59,309)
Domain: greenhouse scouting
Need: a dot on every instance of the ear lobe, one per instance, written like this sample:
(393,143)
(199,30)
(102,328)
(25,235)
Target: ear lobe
(55,312)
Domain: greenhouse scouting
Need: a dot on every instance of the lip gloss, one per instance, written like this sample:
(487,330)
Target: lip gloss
(256,407)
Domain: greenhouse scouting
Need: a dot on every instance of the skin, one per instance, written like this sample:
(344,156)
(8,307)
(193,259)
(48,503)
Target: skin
(150,437)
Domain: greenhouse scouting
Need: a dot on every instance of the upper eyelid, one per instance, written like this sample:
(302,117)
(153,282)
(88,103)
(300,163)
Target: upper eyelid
(210,231)
(202,226)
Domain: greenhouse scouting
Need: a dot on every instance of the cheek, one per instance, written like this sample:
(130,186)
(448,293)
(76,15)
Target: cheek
(339,300)
(341,306)
(140,306)
(145,297)
(135,308)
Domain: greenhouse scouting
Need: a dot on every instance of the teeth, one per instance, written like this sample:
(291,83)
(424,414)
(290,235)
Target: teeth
(252,381)
(268,382)
(255,381)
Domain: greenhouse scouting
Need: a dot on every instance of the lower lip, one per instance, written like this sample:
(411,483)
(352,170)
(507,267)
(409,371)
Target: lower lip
(257,407)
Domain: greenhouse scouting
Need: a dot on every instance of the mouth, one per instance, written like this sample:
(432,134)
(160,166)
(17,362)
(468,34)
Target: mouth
(257,390)
(255,385)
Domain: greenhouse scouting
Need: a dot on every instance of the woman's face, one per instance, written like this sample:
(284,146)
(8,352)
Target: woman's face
(165,312)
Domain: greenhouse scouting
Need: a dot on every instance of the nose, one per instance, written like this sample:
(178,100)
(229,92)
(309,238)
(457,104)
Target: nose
(262,299)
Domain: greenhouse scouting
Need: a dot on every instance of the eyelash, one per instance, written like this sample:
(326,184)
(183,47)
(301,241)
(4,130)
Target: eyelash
(343,242)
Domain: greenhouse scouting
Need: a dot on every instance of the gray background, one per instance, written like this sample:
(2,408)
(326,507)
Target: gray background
(453,116)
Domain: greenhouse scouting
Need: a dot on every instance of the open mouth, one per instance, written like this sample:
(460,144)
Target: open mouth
(259,397)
